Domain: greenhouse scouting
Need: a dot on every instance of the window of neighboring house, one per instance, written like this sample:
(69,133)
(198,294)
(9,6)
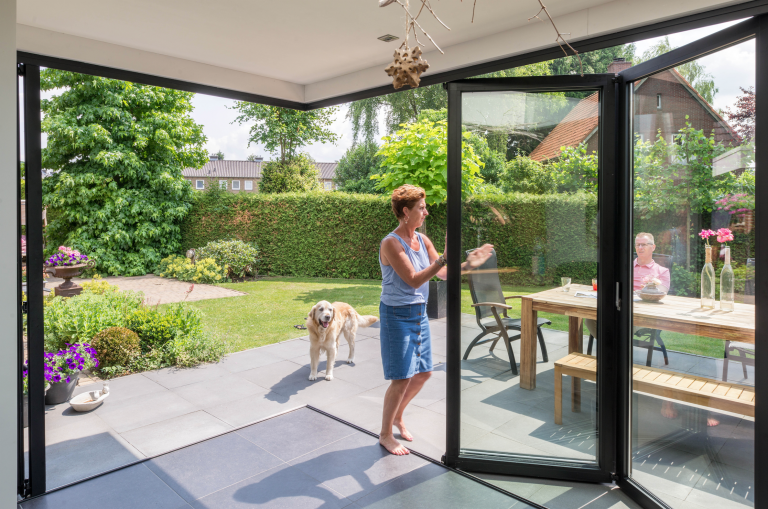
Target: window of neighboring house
(199,184)
(223,184)
(327,186)
(235,185)
(249,185)
(658,101)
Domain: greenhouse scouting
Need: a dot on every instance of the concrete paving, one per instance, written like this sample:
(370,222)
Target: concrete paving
(154,412)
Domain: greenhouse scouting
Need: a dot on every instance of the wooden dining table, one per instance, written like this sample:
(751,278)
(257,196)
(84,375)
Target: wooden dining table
(672,313)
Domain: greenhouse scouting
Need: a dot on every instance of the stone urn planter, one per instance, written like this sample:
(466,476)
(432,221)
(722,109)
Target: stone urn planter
(67,272)
(438,299)
(61,392)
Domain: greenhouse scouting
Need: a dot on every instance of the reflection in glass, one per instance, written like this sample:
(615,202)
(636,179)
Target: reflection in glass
(528,382)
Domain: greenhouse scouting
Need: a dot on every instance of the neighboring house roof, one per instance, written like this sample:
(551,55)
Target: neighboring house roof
(245,170)
(581,122)
(578,125)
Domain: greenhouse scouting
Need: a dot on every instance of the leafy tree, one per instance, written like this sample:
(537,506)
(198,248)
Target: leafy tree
(353,174)
(575,170)
(743,119)
(417,154)
(694,72)
(404,106)
(284,131)
(117,150)
(525,175)
(299,174)
(493,162)
(219,155)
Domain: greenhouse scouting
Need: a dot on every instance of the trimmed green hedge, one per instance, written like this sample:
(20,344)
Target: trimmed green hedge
(334,234)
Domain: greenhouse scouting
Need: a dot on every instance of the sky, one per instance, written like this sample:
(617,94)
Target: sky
(731,68)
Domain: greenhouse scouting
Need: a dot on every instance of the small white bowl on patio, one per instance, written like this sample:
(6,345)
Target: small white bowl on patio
(87,401)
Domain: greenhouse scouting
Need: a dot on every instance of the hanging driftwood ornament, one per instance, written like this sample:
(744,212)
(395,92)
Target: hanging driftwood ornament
(407,67)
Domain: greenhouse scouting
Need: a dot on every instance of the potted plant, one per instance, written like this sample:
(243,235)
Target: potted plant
(437,303)
(66,264)
(62,369)
(25,376)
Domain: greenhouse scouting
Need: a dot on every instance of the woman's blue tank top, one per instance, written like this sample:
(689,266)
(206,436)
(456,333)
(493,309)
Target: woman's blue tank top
(395,291)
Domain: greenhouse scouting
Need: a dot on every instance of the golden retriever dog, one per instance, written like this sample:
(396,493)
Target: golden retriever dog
(325,324)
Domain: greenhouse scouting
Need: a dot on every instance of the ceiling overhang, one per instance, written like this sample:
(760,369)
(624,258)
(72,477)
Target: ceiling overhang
(586,26)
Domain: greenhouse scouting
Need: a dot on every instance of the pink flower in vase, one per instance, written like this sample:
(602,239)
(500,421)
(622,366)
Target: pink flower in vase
(724,235)
(706,234)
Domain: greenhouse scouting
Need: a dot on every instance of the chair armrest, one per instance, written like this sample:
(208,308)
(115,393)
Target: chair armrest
(513,297)
(492,304)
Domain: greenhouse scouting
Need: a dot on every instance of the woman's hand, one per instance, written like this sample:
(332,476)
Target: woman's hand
(479,256)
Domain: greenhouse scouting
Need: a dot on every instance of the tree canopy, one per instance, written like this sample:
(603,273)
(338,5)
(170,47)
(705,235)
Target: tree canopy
(298,174)
(353,174)
(117,150)
(284,131)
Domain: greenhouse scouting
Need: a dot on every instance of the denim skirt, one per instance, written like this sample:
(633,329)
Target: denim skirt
(406,347)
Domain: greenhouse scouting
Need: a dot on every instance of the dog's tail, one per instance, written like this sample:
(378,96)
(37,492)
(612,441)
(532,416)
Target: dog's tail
(366,320)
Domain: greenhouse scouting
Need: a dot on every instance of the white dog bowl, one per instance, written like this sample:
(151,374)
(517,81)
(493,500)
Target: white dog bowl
(87,401)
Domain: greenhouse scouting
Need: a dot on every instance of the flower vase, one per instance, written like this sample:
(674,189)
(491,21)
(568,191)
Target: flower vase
(726,283)
(708,282)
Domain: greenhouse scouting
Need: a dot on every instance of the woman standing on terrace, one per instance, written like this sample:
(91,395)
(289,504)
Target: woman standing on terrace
(408,261)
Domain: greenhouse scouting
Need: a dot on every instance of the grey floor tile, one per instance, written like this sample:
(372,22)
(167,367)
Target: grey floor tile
(175,432)
(725,486)
(435,486)
(670,471)
(253,408)
(317,392)
(273,376)
(145,410)
(521,486)
(248,359)
(201,469)
(171,378)
(280,488)
(570,495)
(296,433)
(128,488)
(84,447)
(215,391)
(126,387)
(367,373)
(288,349)
(355,466)
(362,409)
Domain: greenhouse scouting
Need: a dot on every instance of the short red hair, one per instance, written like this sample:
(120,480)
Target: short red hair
(406,196)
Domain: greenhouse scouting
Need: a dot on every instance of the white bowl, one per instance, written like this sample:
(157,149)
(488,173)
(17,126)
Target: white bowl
(87,401)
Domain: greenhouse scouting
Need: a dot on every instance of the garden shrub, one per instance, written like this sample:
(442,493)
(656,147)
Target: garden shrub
(78,319)
(156,328)
(239,259)
(116,346)
(98,286)
(205,271)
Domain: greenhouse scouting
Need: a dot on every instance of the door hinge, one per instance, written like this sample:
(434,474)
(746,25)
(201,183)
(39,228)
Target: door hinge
(618,299)
(614,478)
(24,491)
(21,69)
(25,307)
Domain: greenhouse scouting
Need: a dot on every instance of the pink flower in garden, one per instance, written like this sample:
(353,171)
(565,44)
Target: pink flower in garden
(724,235)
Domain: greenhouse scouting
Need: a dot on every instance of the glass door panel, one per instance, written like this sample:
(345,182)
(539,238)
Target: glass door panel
(693,357)
(529,368)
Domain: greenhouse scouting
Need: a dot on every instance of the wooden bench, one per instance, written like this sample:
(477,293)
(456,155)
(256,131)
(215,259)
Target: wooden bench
(695,390)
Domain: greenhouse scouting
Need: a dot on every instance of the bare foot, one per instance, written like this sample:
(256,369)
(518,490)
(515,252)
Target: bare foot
(711,421)
(393,446)
(404,432)
(668,410)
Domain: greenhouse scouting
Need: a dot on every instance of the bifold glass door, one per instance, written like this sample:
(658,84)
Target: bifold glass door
(529,363)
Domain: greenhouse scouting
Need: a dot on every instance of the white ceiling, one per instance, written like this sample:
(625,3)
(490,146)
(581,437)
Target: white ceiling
(306,50)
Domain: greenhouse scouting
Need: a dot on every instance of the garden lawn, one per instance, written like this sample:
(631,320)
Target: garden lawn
(274,305)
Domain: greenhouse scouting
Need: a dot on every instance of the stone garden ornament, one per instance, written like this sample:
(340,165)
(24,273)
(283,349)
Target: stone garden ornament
(408,65)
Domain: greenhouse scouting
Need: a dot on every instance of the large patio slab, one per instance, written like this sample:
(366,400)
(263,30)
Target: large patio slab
(154,412)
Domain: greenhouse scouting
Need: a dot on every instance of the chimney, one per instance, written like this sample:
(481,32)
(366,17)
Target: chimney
(618,65)
(214,157)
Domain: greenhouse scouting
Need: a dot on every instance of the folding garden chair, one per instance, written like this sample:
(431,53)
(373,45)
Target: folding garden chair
(488,300)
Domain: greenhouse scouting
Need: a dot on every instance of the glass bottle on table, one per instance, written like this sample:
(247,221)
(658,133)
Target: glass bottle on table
(726,283)
(708,281)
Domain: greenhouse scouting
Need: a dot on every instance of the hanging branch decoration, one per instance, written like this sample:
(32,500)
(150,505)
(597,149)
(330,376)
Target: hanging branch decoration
(407,67)
(559,34)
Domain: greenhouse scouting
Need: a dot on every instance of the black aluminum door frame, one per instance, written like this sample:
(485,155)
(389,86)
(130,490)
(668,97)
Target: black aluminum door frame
(608,270)
(753,28)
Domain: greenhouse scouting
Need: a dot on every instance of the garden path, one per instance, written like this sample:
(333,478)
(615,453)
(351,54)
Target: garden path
(161,290)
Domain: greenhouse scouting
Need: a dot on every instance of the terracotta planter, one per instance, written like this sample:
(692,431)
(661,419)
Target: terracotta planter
(68,288)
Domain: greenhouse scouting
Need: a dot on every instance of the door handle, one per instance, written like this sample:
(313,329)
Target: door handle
(618,299)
